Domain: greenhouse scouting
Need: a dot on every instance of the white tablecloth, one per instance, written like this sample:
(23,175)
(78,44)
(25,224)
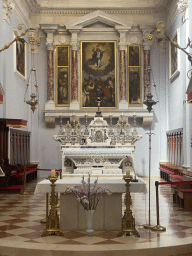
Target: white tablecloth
(115,185)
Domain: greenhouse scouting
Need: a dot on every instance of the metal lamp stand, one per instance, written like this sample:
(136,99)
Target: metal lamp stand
(148,226)
(149,103)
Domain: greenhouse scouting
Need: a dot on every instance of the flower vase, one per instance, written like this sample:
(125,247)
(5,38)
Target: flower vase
(89,216)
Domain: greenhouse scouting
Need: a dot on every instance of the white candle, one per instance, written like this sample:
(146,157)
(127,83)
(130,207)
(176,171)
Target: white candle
(127,173)
(52,173)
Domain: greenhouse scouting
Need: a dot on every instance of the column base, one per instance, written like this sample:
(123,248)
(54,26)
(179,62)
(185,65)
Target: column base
(74,105)
(123,104)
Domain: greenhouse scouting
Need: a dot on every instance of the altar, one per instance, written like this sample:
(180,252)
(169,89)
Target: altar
(102,150)
(108,215)
(97,147)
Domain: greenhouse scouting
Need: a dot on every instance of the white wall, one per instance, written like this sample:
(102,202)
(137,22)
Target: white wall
(169,112)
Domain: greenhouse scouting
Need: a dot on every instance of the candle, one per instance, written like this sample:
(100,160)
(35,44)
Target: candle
(127,173)
(52,173)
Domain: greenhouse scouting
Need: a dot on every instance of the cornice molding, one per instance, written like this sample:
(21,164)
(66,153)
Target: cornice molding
(172,15)
(22,12)
(83,12)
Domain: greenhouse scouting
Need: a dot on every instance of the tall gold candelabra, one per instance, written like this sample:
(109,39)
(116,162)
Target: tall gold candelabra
(128,222)
(52,224)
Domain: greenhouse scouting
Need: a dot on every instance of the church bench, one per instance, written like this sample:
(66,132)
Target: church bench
(167,169)
(184,198)
(13,179)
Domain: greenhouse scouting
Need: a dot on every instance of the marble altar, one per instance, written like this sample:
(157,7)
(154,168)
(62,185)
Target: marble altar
(108,215)
(98,147)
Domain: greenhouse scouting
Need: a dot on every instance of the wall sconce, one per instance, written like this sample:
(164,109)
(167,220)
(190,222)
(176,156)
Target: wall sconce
(32,34)
(33,37)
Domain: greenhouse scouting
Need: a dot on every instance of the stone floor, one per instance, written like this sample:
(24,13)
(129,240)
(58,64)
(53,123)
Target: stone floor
(20,227)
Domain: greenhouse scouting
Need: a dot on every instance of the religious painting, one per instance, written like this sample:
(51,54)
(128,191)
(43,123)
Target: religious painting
(20,59)
(98,74)
(174,56)
(62,76)
(134,55)
(134,75)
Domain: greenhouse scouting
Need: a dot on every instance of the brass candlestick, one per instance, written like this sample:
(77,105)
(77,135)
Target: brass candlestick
(52,224)
(128,222)
(24,183)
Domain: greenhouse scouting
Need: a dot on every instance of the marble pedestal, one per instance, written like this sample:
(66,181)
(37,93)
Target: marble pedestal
(107,216)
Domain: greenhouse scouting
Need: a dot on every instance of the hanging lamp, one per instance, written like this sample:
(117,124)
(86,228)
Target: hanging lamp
(34,101)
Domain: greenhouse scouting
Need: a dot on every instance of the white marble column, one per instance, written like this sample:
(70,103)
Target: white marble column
(74,71)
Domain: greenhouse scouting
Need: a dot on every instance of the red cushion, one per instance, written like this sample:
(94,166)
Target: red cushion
(177,177)
(185,190)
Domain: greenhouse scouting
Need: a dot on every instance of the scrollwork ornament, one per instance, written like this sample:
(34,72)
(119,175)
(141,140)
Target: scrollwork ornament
(8,8)
(182,6)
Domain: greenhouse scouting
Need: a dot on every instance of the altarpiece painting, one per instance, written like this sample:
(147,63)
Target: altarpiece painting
(62,76)
(98,73)
(134,75)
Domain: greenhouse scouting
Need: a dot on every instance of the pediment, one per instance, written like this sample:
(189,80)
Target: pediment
(98,17)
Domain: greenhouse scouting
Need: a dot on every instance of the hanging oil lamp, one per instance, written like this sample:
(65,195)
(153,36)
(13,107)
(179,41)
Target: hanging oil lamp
(34,101)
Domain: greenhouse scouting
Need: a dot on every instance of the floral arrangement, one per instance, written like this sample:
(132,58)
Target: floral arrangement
(87,196)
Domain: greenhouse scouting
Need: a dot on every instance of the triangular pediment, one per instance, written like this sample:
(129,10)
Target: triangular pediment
(98,17)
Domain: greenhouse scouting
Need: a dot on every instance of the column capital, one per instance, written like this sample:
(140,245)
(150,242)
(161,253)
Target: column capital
(74,40)
(122,40)
(122,47)
(147,46)
(49,29)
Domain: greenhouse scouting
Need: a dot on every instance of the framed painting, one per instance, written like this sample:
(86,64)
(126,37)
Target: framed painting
(134,75)
(20,58)
(98,74)
(174,57)
(62,76)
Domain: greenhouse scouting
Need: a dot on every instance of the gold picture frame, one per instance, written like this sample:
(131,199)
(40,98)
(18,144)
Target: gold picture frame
(62,75)
(98,74)
(134,75)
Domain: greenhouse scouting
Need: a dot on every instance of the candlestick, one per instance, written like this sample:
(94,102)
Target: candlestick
(127,173)
(52,173)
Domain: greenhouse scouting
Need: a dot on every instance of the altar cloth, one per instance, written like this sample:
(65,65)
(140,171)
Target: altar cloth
(115,185)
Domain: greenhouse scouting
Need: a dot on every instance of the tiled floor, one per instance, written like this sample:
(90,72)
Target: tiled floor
(20,225)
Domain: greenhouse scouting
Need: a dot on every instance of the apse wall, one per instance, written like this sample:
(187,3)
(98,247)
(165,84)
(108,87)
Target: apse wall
(46,151)
(178,109)
(169,113)
(14,86)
